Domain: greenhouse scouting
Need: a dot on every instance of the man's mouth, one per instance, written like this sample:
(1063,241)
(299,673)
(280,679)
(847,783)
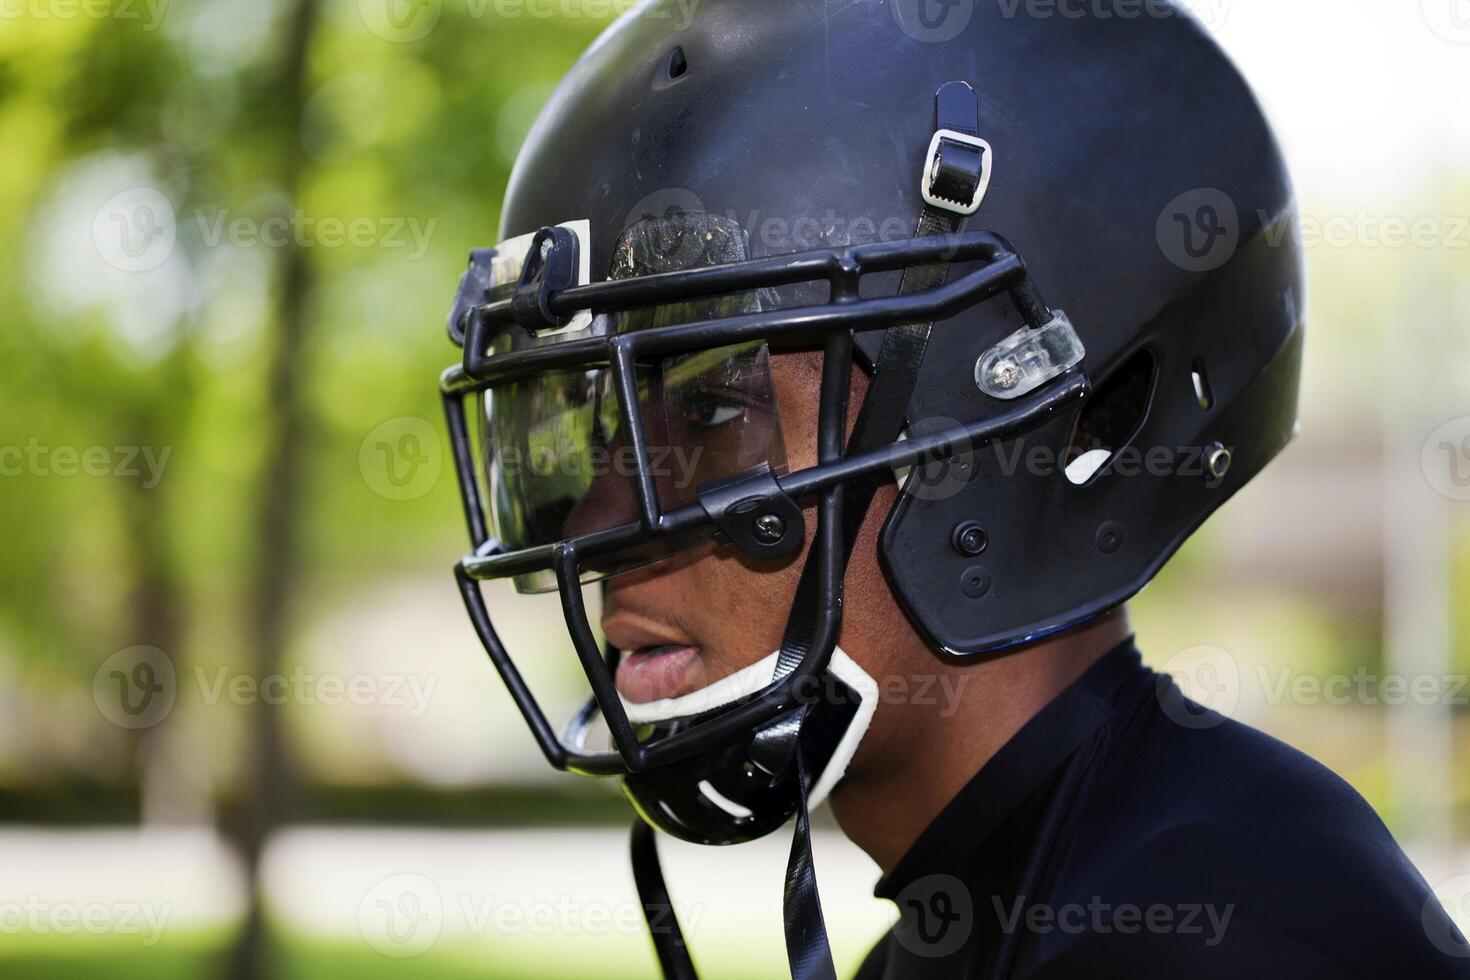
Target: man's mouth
(653,673)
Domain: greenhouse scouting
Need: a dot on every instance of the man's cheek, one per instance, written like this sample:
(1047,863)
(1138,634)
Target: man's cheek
(742,616)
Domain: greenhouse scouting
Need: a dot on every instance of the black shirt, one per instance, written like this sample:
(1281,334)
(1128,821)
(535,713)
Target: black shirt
(1126,832)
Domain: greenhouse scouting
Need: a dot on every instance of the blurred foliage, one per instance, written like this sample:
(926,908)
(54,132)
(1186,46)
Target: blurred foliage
(416,138)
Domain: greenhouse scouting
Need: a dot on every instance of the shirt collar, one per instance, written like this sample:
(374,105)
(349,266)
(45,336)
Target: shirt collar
(1022,765)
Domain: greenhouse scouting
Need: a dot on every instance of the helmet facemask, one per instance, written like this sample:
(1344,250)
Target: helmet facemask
(581,391)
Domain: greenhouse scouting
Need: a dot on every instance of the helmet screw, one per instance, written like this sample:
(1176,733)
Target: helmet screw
(969,539)
(1006,375)
(1218,459)
(769,528)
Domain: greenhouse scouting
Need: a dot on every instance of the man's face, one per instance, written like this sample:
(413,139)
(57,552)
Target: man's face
(711,611)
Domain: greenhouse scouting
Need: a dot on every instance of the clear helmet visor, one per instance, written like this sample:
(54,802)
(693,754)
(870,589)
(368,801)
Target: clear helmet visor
(558,463)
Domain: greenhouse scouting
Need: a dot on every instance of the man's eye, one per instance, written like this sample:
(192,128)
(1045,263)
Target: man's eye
(710,413)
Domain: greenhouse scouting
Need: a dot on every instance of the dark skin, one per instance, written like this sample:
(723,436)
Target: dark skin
(916,757)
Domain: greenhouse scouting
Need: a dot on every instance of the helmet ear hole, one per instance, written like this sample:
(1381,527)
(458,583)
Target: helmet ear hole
(1110,418)
(671,70)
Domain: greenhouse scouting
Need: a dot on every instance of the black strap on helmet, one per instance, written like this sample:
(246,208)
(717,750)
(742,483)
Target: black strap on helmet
(955,177)
(884,411)
(658,908)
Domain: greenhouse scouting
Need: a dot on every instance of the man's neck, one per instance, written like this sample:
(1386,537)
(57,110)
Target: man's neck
(920,753)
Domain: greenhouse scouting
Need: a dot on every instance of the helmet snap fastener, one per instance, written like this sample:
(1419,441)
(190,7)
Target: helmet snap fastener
(975,581)
(969,539)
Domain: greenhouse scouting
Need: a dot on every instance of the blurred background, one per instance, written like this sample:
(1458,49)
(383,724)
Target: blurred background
(245,730)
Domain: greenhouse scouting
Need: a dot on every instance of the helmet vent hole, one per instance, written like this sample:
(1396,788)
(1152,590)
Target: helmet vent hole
(678,63)
(1202,385)
(1111,418)
(729,806)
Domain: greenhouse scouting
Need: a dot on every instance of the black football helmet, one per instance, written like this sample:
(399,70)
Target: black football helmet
(925,200)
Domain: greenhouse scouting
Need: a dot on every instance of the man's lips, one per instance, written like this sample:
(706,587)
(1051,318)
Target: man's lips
(653,673)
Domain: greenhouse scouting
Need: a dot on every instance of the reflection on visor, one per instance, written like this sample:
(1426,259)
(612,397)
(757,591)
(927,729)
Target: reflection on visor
(558,462)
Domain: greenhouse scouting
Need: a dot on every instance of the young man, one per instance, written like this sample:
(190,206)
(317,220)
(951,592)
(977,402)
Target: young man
(873,356)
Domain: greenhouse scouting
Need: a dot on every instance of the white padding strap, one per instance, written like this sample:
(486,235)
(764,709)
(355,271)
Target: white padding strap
(756,678)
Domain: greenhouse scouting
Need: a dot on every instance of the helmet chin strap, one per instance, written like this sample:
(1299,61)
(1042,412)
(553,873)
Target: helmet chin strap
(807,948)
(957,168)
(759,676)
(663,923)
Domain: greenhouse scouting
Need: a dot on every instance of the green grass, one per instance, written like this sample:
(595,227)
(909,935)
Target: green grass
(87,957)
(202,956)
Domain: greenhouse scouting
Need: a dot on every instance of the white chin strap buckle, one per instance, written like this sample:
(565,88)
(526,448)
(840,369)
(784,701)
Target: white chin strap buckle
(931,161)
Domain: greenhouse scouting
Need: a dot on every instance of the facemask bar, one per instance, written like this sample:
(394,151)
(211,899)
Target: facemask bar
(842,268)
